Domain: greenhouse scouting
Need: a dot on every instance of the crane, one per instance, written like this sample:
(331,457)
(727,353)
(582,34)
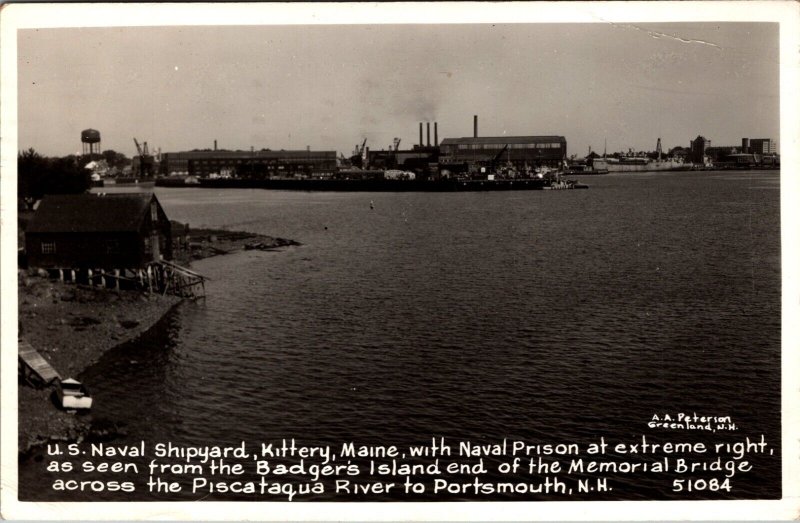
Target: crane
(497,158)
(141,149)
(144,167)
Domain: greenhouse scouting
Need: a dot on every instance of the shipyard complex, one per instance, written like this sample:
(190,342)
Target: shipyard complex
(484,162)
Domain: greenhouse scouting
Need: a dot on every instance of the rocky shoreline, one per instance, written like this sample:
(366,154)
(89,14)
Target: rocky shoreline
(204,243)
(72,326)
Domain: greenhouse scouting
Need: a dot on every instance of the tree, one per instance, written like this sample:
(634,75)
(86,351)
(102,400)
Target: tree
(38,175)
(115,159)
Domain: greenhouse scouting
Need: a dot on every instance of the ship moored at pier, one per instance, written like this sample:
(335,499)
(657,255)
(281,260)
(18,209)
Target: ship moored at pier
(638,164)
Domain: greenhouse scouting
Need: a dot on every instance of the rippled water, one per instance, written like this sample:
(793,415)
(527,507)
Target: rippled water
(549,316)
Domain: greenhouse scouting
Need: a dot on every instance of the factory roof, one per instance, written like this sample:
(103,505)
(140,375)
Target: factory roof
(502,140)
(120,212)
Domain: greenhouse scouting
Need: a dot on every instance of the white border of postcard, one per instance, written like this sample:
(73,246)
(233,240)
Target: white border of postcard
(786,13)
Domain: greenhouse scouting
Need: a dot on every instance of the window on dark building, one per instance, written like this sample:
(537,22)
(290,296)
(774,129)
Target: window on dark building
(48,247)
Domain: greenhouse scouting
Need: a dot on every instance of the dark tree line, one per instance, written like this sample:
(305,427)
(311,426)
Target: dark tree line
(38,175)
(115,159)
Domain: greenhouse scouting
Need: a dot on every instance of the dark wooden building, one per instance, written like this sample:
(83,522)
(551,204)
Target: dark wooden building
(98,231)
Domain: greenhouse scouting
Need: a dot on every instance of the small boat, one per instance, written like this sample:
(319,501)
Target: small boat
(72,395)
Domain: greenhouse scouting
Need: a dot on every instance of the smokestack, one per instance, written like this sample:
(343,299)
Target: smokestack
(475,126)
(436,134)
(429,134)
(420,135)
(215,145)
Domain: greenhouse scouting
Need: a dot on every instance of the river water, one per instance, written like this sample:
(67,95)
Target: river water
(543,316)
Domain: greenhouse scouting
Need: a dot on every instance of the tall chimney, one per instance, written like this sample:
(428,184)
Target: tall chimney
(435,134)
(475,126)
(420,135)
(429,134)
(215,145)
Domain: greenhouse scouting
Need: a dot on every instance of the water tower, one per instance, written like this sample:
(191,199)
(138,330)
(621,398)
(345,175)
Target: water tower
(90,139)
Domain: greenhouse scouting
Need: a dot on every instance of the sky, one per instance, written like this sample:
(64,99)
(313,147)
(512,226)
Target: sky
(329,87)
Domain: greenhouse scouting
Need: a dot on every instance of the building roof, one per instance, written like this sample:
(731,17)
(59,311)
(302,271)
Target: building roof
(503,140)
(120,212)
(224,154)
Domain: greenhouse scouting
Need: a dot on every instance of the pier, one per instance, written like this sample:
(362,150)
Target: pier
(34,368)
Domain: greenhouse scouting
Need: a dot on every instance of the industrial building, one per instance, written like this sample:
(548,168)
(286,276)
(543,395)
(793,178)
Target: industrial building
(697,149)
(759,146)
(420,159)
(261,164)
(521,151)
(753,152)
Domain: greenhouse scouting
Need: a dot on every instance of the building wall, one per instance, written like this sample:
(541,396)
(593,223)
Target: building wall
(156,222)
(531,153)
(86,250)
(406,159)
(698,149)
(203,163)
(762,146)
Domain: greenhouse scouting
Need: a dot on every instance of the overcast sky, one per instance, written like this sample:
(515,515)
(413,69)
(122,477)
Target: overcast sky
(328,87)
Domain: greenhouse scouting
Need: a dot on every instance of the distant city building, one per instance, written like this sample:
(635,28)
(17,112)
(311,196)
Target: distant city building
(752,153)
(751,150)
(243,163)
(721,152)
(761,146)
(698,149)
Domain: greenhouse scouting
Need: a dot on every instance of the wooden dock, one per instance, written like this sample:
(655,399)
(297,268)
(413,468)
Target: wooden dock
(34,367)
(173,279)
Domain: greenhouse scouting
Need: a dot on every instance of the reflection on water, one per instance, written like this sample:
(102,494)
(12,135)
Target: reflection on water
(544,316)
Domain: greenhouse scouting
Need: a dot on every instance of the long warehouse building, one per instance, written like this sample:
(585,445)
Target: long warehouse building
(243,163)
(519,150)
